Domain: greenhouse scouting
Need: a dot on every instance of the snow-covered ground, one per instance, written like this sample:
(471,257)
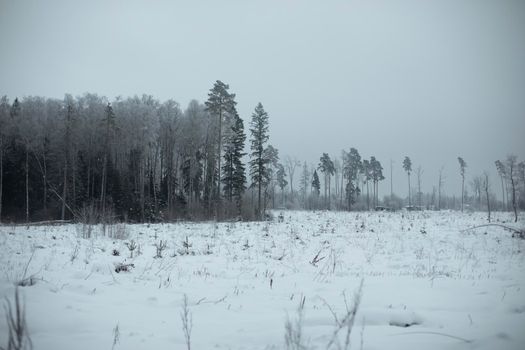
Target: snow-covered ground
(426,284)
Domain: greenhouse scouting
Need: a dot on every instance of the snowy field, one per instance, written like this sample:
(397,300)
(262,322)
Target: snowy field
(426,284)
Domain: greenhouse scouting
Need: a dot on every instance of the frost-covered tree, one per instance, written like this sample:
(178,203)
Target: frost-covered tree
(291,163)
(419,174)
(407,166)
(441,184)
(281,180)
(304,183)
(259,163)
(271,154)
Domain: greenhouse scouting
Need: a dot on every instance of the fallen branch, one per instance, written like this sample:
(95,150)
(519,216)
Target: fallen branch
(45,223)
(437,333)
(204,301)
(512,229)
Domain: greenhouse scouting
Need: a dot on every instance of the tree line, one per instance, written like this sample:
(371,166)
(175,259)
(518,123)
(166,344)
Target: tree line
(134,159)
(139,159)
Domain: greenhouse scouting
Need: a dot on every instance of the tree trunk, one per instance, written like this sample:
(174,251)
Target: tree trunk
(487,194)
(342,187)
(259,200)
(64,191)
(367,196)
(27,184)
(45,181)
(502,193)
(329,195)
(103,186)
(409,201)
(462,192)
(513,197)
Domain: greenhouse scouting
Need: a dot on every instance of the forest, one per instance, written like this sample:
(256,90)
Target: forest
(138,159)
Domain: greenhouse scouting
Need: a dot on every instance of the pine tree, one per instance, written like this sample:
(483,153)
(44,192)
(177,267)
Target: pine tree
(407,165)
(326,166)
(316,185)
(234,178)
(377,175)
(366,170)
(221,105)
(352,167)
(259,163)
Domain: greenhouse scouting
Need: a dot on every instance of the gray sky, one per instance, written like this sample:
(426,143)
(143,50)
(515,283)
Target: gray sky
(430,79)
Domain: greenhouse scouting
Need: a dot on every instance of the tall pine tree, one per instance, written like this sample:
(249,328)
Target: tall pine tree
(234,178)
(221,105)
(352,166)
(326,166)
(407,165)
(259,163)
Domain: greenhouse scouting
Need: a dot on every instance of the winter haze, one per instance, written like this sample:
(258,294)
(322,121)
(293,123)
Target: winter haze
(433,80)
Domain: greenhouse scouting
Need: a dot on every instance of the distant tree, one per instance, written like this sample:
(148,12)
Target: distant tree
(23,128)
(367,176)
(67,147)
(511,166)
(4,113)
(221,105)
(304,183)
(352,167)
(377,175)
(521,177)
(271,154)
(441,183)
(486,187)
(477,184)
(316,185)
(291,163)
(502,172)
(462,167)
(419,174)
(109,126)
(281,180)
(407,165)
(259,163)
(326,166)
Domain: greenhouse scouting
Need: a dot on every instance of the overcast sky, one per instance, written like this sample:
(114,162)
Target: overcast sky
(430,79)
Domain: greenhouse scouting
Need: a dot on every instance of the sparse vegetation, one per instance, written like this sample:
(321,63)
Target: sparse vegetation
(17,331)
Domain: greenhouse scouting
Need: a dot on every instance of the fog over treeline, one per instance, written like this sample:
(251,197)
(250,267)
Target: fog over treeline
(144,160)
